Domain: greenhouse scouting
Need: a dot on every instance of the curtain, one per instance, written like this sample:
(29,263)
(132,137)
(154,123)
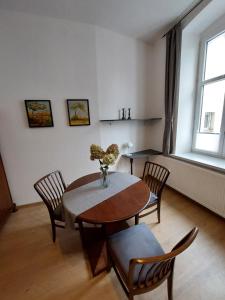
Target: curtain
(173,54)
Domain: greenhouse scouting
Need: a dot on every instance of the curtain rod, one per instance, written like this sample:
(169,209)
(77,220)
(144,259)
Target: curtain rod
(182,18)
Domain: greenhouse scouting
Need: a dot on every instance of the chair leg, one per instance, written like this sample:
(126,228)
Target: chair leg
(109,261)
(170,286)
(131,297)
(109,265)
(82,235)
(136,219)
(158,212)
(53,230)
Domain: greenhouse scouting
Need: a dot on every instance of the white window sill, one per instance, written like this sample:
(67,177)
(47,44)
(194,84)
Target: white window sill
(202,160)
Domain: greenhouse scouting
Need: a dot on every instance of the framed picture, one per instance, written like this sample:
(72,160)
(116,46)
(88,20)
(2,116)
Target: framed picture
(39,113)
(78,112)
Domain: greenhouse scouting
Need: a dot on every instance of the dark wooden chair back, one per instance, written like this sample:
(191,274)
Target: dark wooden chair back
(155,176)
(153,271)
(51,188)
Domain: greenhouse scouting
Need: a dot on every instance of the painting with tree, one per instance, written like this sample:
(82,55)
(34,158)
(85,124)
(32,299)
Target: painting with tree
(78,112)
(39,113)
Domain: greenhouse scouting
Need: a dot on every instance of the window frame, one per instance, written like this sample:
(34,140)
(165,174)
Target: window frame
(199,95)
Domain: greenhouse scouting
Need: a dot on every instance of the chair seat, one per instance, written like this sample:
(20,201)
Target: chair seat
(153,199)
(135,242)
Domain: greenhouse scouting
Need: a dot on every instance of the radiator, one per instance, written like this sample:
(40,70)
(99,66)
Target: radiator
(200,184)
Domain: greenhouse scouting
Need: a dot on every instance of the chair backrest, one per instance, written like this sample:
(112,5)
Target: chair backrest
(155,176)
(51,188)
(151,272)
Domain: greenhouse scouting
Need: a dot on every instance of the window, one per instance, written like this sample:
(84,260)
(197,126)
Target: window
(209,134)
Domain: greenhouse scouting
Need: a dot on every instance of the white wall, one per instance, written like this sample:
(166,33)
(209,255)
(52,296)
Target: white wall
(122,72)
(122,69)
(217,26)
(156,92)
(187,92)
(201,185)
(45,58)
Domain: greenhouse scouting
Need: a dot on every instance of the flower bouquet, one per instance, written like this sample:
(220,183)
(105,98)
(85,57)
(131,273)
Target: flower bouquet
(105,158)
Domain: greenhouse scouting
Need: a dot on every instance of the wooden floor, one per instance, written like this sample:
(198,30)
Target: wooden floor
(32,267)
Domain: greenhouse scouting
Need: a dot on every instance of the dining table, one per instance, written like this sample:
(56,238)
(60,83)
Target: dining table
(103,211)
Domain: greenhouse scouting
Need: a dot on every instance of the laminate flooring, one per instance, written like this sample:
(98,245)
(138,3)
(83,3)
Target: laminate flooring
(32,267)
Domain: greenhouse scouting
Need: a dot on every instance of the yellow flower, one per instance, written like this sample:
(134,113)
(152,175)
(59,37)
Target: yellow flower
(113,149)
(105,158)
(108,159)
(96,152)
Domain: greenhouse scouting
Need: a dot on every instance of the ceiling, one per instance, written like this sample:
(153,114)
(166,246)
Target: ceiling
(142,19)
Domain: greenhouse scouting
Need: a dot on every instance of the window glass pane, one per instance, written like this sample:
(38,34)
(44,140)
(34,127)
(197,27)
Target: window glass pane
(212,107)
(215,58)
(207,142)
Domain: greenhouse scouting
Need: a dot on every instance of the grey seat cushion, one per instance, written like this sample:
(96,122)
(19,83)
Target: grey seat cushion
(135,242)
(153,198)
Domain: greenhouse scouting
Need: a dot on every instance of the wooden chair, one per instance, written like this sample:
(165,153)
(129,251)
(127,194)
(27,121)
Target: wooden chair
(155,176)
(140,262)
(51,188)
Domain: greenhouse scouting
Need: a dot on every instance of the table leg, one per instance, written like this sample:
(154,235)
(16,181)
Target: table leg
(94,244)
(131,165)
(82,235)
(94,240)
(136,219)
(108,264)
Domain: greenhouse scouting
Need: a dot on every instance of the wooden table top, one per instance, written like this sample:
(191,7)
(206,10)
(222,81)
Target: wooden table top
(122,206)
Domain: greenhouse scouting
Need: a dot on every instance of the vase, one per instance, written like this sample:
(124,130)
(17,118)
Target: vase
(104,178)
